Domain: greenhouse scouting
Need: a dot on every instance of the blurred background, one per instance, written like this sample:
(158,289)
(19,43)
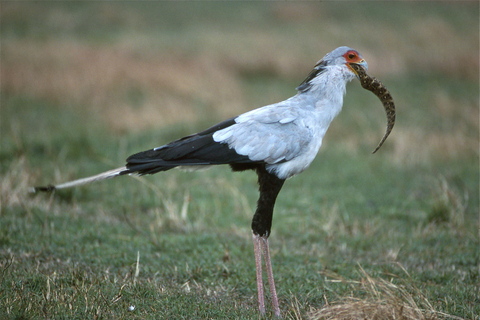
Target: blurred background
(130,67)
(86,84)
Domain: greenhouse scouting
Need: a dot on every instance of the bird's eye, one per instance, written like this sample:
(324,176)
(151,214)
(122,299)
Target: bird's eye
(351,56)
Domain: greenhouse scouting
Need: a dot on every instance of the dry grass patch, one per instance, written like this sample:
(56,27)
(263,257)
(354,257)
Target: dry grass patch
(14,186)
(450,204)
(127,89)
(379,299)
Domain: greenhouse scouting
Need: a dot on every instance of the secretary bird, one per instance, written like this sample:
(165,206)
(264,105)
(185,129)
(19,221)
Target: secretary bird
(277,141)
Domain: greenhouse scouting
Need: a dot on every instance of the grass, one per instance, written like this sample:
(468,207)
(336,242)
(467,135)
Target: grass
(387,236)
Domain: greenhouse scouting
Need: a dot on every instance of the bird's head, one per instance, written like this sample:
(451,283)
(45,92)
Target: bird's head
(342,57)
(353,57)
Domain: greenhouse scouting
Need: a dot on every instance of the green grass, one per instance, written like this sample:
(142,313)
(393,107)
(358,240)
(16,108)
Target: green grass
(89,84)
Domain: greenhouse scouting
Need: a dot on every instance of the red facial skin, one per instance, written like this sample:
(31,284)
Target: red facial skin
(352,56)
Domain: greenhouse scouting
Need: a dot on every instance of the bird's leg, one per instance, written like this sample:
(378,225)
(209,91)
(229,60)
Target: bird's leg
(270,186)
(258,265)
(271,282)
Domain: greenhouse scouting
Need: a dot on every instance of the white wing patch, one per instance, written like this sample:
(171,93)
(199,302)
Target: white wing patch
(272,134)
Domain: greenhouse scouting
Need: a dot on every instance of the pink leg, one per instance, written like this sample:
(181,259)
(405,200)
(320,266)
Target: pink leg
(258,266)
(271,282)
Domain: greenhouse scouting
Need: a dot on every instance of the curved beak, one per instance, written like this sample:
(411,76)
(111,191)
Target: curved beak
(361,63)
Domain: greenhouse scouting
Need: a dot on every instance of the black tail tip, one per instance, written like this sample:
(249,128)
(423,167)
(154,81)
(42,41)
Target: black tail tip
(49,188)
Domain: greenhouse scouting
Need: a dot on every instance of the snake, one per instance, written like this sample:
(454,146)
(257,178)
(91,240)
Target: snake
(378,88)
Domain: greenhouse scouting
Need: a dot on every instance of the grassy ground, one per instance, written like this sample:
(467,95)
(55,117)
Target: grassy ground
(384,236)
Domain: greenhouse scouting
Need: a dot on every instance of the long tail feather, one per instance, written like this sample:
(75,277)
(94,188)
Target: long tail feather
(102,176)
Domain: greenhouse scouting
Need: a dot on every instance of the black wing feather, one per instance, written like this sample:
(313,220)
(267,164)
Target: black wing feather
(305,85)
(193,150)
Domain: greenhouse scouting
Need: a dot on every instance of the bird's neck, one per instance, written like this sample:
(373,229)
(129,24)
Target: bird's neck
(326,92)
(331,84)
